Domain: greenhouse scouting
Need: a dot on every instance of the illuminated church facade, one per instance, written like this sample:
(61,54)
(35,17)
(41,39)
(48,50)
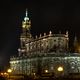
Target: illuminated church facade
(44,54)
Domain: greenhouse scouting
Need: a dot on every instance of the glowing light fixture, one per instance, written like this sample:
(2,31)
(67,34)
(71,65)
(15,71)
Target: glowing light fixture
(60,69)
(23,26)
(34,73)
(9,70)
(46,71)
(2,73)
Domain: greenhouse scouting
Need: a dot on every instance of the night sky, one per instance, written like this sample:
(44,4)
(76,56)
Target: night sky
(45,16)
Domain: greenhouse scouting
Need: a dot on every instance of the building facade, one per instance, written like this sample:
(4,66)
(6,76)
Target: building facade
(43,54)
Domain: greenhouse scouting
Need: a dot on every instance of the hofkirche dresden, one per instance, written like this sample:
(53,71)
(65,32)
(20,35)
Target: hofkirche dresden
(44,54)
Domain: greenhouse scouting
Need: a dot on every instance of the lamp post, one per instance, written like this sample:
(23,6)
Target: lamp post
(9,71)
(60,71)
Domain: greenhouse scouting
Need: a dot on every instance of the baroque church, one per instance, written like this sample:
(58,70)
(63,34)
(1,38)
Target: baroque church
(44,54)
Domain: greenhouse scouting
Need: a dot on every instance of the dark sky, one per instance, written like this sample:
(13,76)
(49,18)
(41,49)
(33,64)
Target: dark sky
(45,16)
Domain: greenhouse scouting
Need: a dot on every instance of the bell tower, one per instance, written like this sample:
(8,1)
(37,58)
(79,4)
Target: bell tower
(26,25)
(25,35)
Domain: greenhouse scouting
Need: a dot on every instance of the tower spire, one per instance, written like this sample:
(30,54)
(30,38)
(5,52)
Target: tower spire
(26,17)
(26,34)
(26,13)
(26,23)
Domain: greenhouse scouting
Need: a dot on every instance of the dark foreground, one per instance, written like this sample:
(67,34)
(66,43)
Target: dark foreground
(43,78)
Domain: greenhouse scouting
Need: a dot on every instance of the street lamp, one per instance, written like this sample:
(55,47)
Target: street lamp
(9,71)
(34,74)
(46,71)
(60,69)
